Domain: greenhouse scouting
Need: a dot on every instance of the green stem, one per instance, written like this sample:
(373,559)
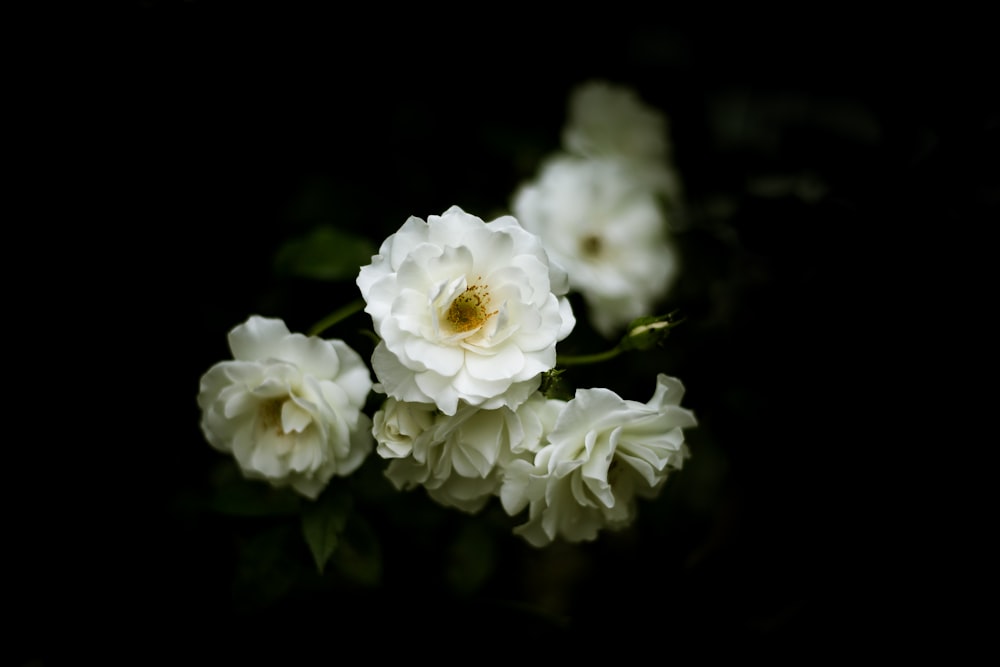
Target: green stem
(336,316)
(580,359)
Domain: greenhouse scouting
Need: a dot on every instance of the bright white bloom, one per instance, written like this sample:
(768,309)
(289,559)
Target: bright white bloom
(607,120)
(603,453)
(467,311)
(287,406)
(607,230)
(459,459)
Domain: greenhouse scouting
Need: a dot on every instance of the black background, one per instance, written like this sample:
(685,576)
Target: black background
(167,145)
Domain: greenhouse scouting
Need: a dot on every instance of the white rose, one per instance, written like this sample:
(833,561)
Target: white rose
(609,120)
(466,310)
(288,407)
(603,453)
(517,483)
(458,459)
(607,230)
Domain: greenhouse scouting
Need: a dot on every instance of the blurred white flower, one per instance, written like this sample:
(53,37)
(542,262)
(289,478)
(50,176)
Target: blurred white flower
(459,459)
(466,310)
(288,407)
(608,120)
(607,230)
(602,454)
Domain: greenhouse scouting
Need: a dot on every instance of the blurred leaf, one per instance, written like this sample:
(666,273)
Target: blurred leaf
(325,253)
(359,557)
(323,522)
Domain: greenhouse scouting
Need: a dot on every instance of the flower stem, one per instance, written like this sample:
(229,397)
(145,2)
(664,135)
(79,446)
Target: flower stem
(336,316)
(580,359)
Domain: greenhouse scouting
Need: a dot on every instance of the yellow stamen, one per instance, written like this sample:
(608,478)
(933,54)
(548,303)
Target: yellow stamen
(469,309)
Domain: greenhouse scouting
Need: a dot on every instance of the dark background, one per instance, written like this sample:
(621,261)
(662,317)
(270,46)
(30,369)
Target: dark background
(837,170)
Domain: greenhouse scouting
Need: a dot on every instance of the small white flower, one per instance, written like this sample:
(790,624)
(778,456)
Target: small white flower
(467,311)
(458,459)
(287,406)
(602,454)
(607,230)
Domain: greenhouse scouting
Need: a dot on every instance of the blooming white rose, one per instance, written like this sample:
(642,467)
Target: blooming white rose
(458,459)
(466,310)
(602,454)
(607,230)
(287,406)
(608,120)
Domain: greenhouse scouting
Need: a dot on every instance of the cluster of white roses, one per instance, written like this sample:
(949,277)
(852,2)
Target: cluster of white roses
(468,315)
(604,204)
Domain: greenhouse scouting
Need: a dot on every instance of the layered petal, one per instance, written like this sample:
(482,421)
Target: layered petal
(609,232)
(468,311)
(602,453)
(288,406)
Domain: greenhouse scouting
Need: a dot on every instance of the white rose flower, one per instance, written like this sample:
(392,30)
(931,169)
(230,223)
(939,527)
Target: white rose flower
(602,454)
(608,120)
(287,406)
(467,311)
(459,458)
(607,230)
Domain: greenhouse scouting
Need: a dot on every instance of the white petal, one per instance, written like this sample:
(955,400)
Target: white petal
(311,354)
(396,380)
(438,388)
(256,338)
(294,418)
(506,361)
(442,359)
(264,458)
(413,232)
(514,490)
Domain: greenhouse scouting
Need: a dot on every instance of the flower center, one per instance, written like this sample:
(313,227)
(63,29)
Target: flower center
(591,245)
(269,415)
(469,309)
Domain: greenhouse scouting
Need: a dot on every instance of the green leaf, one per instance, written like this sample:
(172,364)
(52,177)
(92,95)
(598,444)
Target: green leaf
(323,522)
(325,253)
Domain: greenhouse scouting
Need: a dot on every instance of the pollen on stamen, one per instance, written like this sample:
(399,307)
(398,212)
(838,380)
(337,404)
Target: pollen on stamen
(469,310)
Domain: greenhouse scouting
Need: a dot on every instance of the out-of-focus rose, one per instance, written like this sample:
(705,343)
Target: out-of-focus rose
(467,310)
(605,120)
(288,407)
(607,230)
(603,453)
